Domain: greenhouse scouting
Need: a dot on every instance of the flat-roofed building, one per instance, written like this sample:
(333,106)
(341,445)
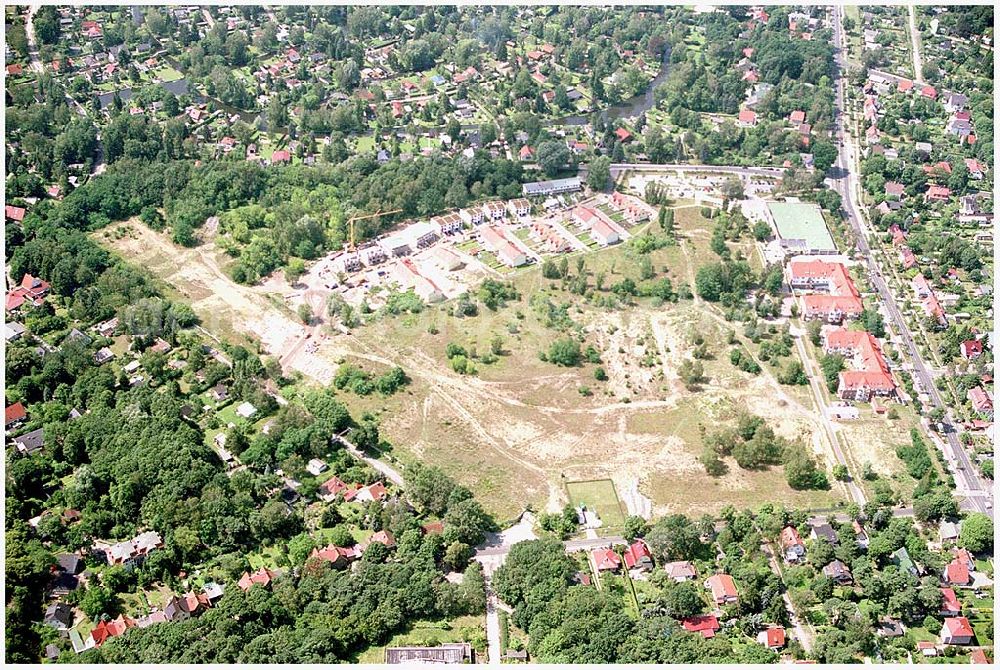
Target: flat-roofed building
(801,228)
(552,187)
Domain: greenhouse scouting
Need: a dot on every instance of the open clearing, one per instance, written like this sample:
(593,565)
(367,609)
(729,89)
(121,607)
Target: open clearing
(598,495)
(519,428)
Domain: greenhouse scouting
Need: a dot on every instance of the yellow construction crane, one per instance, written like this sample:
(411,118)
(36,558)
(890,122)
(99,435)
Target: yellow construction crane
(353,219)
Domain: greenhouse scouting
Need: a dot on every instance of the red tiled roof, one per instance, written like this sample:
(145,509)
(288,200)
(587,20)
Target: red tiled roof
(15,412)
(705,624)
(979,656)
(949,602)
(790,537)
(958,627)
(635,553)
(956,572)
(605,559)
(14,213)
(722,586)
(774,637)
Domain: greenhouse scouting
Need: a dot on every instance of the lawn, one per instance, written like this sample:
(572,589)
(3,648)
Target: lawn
(270,557)
(365,144)
(598,495)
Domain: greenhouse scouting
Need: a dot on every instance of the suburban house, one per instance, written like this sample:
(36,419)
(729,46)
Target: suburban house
(448,224)
(860,534)
(706,624)
(604,233)
(180,608)
(948,531)
(791,545)
(982,402)
(31,289)
(472,216)
(772,638)
(956,573)
(838,572)
(14,415)
(105,630)
(723,589)
(333,487)
(59,616)
(971,349)
(957,630)
(315,467)
(824,531)
(637,556)
(339,556)
(950,606)
(747,118)
(519,207)
(376,491)
(901,559)
(605,560)
(134,551)
(262,576)
(681,571)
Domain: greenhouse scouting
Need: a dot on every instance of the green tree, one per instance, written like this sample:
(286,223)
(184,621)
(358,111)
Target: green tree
(599,173)
(977,533)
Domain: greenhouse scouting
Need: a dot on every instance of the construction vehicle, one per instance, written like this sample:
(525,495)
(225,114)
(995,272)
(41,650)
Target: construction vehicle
(351,221)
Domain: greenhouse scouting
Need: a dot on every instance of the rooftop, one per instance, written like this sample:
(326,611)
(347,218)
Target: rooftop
(802,221)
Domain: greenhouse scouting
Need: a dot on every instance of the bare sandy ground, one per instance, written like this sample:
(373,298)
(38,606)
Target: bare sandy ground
(518,432)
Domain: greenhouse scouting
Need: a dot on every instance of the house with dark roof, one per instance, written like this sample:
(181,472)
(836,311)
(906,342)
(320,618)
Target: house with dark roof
(838,572)
(59,616)
(823,530)
(31,442)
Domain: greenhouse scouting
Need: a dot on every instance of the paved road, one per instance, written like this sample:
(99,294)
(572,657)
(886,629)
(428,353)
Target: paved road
(617,168)
(492,625)
(847,185)
(918,67)
(390,472)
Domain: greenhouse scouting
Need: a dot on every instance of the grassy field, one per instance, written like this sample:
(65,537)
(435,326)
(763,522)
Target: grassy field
(597,495)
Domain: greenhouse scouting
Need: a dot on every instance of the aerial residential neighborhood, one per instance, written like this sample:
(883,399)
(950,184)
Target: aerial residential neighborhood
(509,334)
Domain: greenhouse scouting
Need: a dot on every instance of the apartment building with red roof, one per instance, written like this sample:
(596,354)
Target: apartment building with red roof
(841,300)
(870,375)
